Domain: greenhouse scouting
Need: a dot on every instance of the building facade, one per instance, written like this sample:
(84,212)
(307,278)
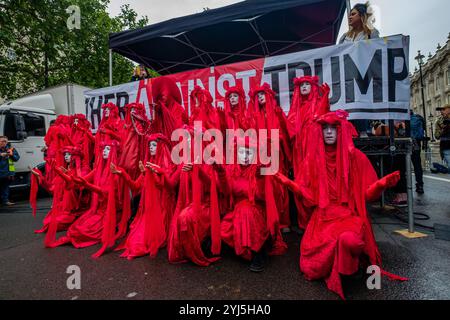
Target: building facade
(436,80)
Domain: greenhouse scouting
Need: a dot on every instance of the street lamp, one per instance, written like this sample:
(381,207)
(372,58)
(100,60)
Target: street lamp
(419,59)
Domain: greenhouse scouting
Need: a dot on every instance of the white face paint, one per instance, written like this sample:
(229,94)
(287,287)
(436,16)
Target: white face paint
(305,88)
(106,152)
(67,157)
(234,99)
(329,134)
(153,145)
(197,102)
(262,98)
(245,156)
(75,121)
(133,111)
(107,112)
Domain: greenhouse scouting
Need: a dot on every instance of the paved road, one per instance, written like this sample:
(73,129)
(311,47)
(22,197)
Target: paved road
(29,271)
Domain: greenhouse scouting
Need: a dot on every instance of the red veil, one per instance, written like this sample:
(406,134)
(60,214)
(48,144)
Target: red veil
(205,112)
(110,127)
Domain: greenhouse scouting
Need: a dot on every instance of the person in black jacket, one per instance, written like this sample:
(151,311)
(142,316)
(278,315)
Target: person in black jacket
(8,156)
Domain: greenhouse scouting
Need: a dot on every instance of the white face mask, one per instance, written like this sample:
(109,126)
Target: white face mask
(153,145)
(262,98)
(245,156)
(107,112)
(234,99)
(329,134)
(305,88)
(75,122)
(106,152)
(67,157)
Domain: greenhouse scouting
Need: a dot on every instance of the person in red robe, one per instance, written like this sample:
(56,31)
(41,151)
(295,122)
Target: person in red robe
(310,101)
(98,223)
(203,110)
(66,203)
(167,112)
(267,114)
(82,138)
(337,181)
(111,125)
(196,217)
(136,128)
(236,114)
(148,231)
(252,226)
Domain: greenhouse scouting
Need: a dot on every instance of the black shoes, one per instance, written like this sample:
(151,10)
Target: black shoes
(257,264)
(419,190)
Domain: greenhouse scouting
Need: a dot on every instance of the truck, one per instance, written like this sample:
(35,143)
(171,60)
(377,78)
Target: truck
(25,122)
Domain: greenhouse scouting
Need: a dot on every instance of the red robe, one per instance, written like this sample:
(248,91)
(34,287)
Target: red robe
(303,112)
(149,229)
(196,217)
(273,117)
(336,183)
(254,218)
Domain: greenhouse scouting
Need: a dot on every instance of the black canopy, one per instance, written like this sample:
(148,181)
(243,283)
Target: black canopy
(243,31)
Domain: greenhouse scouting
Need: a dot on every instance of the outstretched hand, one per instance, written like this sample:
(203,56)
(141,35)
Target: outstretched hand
(326,89)
(391,180)
(154,168)
(141,167)
(114,169)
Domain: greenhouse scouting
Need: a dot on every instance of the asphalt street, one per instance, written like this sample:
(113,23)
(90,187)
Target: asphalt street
(30,271)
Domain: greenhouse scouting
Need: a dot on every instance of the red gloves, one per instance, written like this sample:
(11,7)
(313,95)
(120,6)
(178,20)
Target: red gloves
(376,189)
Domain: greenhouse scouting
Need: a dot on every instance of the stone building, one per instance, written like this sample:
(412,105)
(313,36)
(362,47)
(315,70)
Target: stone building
(436,79)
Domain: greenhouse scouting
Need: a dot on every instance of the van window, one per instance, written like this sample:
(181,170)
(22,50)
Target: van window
(34,125)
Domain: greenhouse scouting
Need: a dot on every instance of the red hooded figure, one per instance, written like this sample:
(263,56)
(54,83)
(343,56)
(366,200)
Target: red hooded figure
(67,203)
(254,218)
(309,102)
(236,109)
(337,181)
(148,231)
(267,114)
(196,214)
(167,113)
(98,223)
(111,126)
(203,110)
(82,138)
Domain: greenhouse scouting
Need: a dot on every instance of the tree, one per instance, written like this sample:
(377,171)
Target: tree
(39,50)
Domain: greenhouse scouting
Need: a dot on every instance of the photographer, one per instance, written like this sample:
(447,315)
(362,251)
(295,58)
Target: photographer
(442,133)
(8,156)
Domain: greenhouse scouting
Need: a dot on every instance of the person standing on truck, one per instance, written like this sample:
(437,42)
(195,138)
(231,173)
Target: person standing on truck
(8,156)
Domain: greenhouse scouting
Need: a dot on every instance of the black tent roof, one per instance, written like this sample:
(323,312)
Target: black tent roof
(243,31)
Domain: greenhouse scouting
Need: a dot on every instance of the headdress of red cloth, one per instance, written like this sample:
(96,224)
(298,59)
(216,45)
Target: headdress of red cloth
(113,113)
(250,172)
(234,116)
(193,193)
(105,179)
(140,114)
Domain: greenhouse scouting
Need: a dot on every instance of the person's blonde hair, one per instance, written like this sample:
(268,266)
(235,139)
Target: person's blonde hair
(366,19)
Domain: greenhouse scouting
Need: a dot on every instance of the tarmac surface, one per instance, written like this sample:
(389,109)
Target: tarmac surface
(30,271)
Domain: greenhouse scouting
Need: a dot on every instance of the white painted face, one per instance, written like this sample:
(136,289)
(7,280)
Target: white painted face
(107,112)
(106,152)
(133,111)
(197,102)
(67,157)
(153,145)
(245,156)
(305,88)
(329,134)
(262,98)
(234,99)
(75,121)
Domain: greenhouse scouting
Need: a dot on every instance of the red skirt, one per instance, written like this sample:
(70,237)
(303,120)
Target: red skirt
(187,232)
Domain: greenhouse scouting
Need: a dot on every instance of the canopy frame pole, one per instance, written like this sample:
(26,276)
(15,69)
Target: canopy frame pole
(110,68)
(349,8)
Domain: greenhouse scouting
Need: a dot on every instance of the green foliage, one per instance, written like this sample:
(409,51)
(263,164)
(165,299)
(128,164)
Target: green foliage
(38,50)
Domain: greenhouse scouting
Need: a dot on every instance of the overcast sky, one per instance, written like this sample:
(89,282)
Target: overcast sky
(427,22)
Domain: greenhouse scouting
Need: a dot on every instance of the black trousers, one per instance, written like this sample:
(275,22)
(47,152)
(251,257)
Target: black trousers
(417,162)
